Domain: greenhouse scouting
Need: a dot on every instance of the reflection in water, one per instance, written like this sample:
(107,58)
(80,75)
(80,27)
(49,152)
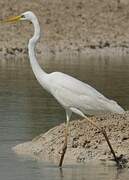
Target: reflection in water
(26,110)
(82,172)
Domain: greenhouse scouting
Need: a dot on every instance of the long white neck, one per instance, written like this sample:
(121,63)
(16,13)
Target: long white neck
(31,48)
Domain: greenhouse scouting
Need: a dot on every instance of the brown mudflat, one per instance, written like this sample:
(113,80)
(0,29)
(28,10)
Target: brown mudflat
(67,26)
(85,142)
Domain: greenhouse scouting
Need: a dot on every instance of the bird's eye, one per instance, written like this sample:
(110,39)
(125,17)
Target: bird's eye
(22,16)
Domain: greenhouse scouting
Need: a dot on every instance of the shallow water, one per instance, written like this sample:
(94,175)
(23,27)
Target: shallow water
(26,110)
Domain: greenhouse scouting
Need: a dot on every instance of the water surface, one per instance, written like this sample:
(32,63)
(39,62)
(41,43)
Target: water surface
(26,110)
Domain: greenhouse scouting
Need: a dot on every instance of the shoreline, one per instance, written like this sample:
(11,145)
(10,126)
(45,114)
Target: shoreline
(14,53)
(76,27)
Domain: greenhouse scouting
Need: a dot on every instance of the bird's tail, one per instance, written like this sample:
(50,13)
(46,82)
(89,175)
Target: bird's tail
(116,108)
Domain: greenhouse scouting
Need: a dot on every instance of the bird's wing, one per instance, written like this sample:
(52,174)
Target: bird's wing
(71,92)
(61,80)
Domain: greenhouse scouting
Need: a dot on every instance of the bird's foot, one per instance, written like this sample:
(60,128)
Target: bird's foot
(121,161)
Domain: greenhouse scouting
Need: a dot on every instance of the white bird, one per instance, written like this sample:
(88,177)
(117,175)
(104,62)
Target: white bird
(75,96)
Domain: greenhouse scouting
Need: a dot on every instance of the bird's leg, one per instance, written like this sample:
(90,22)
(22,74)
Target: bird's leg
(106,138)
(109,144)
(64,146)
(68,115)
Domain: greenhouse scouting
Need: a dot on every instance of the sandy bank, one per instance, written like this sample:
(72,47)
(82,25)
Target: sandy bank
(70,25)
(85,142)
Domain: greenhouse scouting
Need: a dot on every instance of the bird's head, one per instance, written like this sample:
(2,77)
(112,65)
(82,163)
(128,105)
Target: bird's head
(24,16)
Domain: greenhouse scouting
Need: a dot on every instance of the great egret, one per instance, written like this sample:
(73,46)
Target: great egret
(75,96)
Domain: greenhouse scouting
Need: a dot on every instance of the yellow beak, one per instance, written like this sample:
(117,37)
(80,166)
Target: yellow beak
(12,19)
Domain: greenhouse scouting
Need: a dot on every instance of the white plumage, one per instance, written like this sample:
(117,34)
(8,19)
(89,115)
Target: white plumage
(71,92)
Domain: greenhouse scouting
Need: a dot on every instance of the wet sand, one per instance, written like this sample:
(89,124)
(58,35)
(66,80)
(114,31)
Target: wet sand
(85,143)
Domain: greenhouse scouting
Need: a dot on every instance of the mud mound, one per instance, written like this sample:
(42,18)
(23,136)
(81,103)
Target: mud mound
(85,142)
